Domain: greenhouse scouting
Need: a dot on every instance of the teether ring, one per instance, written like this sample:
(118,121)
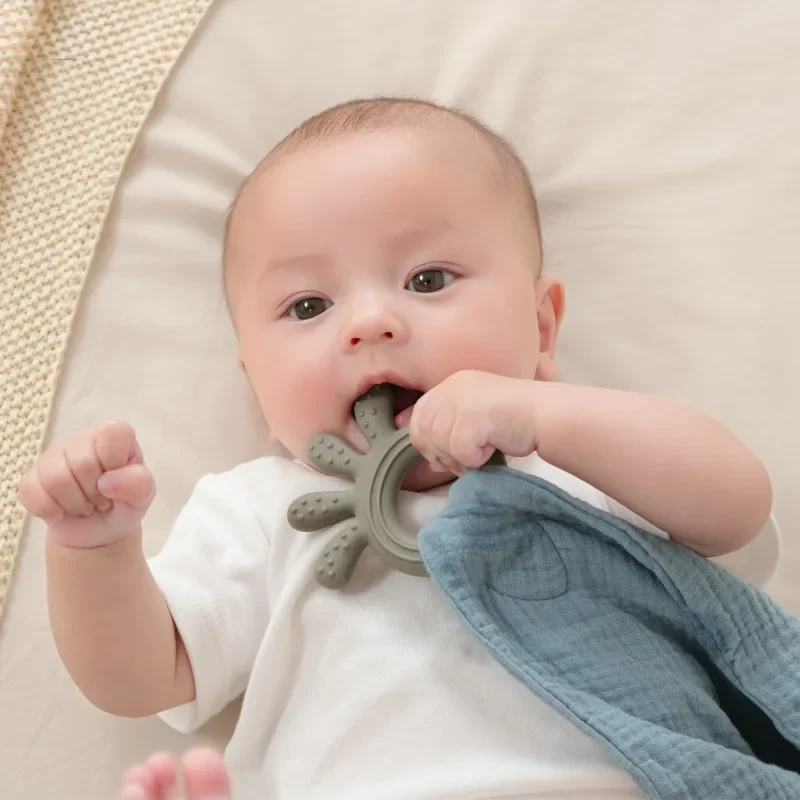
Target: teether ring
(371,503)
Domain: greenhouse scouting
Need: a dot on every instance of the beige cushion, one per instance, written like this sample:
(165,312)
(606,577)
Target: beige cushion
(663,143)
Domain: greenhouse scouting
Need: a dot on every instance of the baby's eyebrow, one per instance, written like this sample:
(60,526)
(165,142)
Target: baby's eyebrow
(403,239)
(293,263)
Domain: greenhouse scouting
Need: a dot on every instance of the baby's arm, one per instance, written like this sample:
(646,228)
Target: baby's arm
(111,624)
(672,465)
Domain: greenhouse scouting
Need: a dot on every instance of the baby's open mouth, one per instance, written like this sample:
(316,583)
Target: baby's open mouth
(404,400)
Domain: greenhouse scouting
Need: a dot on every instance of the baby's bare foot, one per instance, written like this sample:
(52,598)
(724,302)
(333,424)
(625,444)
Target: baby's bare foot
(204,778)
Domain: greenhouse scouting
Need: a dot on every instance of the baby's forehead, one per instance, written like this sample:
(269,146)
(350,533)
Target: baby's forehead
(474,149)
(440,141)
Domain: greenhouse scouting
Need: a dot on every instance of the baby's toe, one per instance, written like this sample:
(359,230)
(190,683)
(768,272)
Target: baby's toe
(205,775)
(164,770)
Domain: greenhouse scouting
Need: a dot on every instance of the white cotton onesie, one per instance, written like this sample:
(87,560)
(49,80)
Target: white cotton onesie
(375,692)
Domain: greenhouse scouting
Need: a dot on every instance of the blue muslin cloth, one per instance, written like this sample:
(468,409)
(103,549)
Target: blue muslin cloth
(689,676)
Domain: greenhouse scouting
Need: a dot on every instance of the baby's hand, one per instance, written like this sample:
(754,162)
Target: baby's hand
(458,424)
(93,489)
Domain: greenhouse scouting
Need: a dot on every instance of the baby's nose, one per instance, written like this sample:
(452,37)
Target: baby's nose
(377,326)
(354,340)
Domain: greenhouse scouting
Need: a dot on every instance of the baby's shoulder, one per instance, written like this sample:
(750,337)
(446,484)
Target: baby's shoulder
(254,474)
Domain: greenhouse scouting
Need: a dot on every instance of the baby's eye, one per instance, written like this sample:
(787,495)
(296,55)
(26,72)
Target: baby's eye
(309,307)
(430,280)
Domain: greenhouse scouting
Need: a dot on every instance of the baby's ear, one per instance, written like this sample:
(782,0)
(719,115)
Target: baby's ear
(549,313)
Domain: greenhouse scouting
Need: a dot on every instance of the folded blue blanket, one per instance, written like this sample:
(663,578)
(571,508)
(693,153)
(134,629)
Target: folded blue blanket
(689,676)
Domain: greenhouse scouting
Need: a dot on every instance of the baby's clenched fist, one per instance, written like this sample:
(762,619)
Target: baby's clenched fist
(458,424)
(93,489)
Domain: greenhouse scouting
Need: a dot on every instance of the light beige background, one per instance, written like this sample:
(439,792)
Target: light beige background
(663,141)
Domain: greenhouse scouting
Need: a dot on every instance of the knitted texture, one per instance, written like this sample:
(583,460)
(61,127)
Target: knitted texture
(77,80)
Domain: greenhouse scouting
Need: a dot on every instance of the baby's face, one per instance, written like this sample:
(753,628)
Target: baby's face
(390,256)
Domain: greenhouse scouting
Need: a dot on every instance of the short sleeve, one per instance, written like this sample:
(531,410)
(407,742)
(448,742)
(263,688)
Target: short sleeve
(755,563)
(211,571)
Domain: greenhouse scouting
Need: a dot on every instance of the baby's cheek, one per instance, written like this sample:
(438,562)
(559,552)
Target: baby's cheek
(302,402)
(485,350)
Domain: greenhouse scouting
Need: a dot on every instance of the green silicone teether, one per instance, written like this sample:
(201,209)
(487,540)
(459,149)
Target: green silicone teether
(371,505)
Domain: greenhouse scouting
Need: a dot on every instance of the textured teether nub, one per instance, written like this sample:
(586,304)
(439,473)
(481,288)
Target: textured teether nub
(333,455)
(318,510)
(337,562)
(374,413)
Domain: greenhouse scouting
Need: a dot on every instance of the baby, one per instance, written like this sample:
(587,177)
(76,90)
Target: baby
(381,241)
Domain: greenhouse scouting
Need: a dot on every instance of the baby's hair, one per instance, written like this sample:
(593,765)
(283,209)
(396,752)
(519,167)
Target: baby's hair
(386,113)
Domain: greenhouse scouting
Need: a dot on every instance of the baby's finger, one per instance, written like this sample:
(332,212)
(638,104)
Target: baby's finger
(451,465)
(442,460)
(423,445)
(440,443)
(117,445)
(415,430)
(420,427)
(32,495)
(132,485)
(465,451)
(85,465)
(434,457)
(437,466)
(56,478)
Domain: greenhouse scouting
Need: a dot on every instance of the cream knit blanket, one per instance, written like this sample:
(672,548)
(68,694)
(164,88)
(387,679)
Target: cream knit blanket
(77,79)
